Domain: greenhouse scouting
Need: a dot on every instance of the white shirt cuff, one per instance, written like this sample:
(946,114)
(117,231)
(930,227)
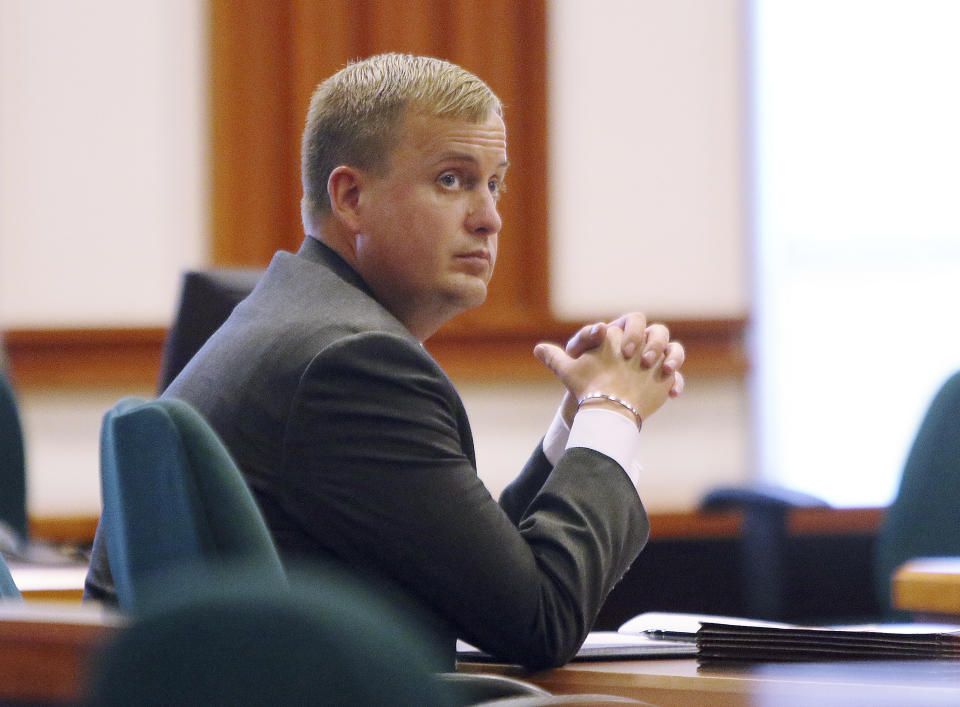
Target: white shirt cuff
(555,440)
(603,431)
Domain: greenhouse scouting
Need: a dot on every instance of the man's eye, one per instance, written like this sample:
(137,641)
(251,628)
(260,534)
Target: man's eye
(449,180)
(496,187)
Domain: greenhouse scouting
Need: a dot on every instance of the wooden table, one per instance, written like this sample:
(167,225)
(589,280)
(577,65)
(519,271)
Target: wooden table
(930,587)
(45,648)
(681,682)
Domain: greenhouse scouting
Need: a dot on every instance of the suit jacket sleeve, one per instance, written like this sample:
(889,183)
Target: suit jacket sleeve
(378,469)
(516,497)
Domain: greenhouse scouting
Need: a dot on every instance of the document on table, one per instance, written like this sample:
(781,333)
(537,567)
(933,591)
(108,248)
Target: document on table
(723,638)
(606,645)
(680,626)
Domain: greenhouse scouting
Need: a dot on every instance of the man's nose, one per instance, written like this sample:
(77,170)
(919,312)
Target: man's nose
(483,217)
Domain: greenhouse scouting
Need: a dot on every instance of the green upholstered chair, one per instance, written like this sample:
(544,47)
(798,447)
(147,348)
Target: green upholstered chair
(224,634)
(924,518)
(13,480)
(8,588)
(172,496)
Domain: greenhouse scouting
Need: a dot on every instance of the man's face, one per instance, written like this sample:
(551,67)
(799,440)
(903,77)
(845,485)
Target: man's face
(428,228)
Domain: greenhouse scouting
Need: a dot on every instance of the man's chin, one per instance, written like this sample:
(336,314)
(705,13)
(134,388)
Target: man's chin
(469,294)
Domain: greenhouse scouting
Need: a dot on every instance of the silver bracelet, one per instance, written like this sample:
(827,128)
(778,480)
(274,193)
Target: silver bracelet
(613,399)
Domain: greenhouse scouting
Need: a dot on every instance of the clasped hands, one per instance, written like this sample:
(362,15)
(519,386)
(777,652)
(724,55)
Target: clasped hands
(625,358)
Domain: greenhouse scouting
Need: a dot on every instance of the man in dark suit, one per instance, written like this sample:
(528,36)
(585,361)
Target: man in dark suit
(354,441)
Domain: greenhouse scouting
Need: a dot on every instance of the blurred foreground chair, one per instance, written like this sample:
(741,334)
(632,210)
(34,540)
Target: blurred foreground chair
(206,299)
(226,635)
(172,495)
(230,636)
(924,518)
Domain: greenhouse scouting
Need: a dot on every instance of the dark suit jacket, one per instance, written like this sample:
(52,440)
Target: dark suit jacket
(358,448)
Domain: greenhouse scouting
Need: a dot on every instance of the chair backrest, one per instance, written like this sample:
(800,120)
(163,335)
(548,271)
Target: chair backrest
(13,478)
(8,588)
(924,518)
(206,299)
(172,496)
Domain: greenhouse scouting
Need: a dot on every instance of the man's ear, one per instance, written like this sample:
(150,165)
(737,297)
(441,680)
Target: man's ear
(344,187)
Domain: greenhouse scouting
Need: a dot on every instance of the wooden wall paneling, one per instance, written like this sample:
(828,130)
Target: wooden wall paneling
(255,190)
(326,37)
(527,118)
(408,26)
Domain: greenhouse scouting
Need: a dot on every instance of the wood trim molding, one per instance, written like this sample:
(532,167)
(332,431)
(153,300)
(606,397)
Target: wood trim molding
(714,348)
(63,358)
(663,526)
(73,530)
(688,525)
(801,522)
(829,521)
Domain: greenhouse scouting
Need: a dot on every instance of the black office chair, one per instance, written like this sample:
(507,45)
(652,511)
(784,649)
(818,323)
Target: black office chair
(206,299)
(763,541)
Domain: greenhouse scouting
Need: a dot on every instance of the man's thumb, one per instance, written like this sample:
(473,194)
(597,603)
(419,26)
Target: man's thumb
(553,357)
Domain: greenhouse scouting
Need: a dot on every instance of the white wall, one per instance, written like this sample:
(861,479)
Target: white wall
(857,152)
(103,167)
(647,145)
(62,430)
(653,219)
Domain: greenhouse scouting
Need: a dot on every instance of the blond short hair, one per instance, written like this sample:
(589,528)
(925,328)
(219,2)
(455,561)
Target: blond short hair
(355,115)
